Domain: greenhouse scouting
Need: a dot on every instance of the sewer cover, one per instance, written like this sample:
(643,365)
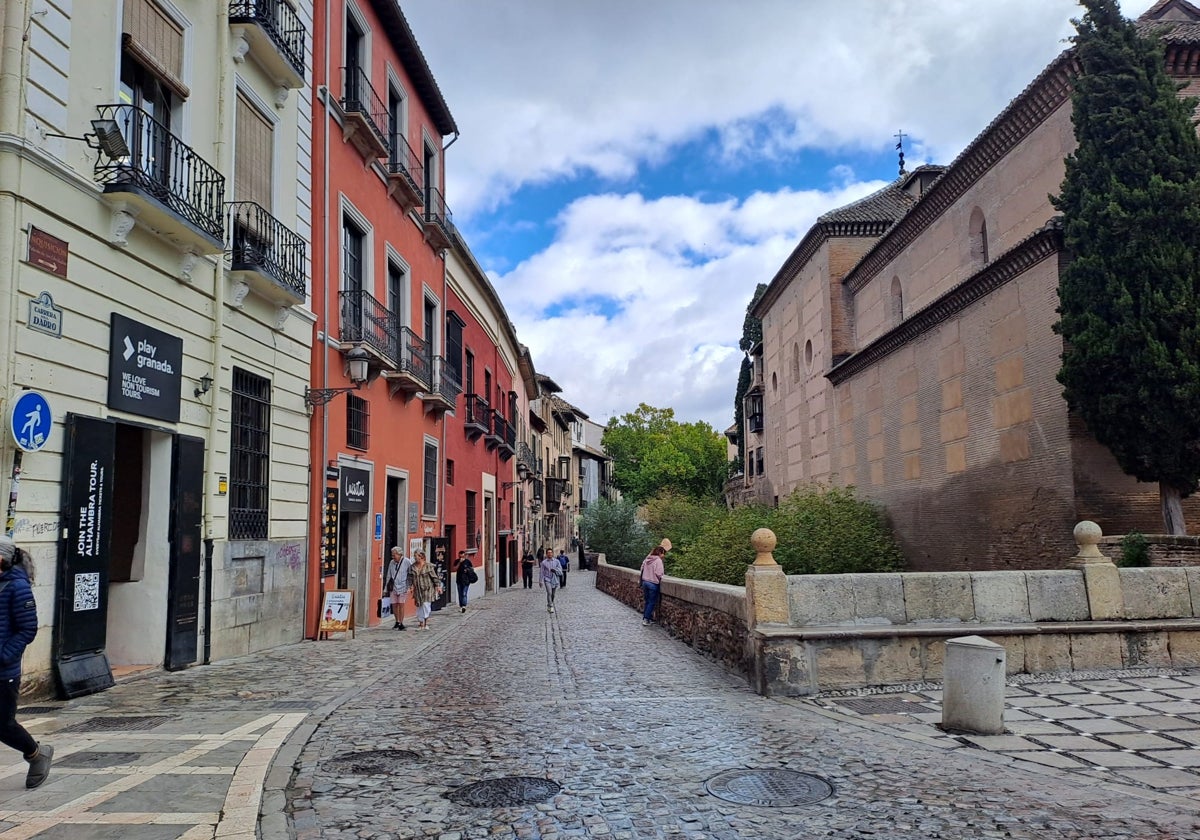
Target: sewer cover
(370,762)
(90,760)
(882,706)
(773,788)
(38,710)
(117,724)
(505,792)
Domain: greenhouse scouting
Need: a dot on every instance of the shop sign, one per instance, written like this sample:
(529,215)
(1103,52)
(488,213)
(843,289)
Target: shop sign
(354,490)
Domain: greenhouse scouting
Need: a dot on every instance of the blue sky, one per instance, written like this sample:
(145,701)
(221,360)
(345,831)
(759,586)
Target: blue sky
(629,170)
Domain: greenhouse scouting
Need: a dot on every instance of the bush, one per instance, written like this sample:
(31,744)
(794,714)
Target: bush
(679,518)
(721,551)
(614,529)
(1135,550)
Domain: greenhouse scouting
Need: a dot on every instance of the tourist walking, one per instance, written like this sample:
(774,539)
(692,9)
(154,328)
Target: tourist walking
(396,584)
(527,564)
(550,574)
(18,626)
(652,575)
(427,585)
(464,576)
(565,563)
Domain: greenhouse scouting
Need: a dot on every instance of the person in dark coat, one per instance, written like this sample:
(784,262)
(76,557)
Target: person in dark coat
(527,564)
(464,576)
(18,626)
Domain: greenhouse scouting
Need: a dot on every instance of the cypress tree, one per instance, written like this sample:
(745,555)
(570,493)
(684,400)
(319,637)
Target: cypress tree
(1129,296)
(751,335)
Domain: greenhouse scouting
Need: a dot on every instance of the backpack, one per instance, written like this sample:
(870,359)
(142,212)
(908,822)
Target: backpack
(471,576)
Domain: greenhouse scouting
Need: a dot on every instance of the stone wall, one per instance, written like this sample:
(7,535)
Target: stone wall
(710,617)
(1163,549)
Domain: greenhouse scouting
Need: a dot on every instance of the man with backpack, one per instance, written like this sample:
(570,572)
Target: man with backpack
(464,576)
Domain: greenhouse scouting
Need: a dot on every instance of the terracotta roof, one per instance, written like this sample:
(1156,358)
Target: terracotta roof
(547,384)
(560,405)
(885,205)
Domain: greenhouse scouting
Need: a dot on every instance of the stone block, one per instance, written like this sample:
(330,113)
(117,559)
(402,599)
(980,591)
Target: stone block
(1185,648)
(1048,654)
(1057,595)
(1193,577)
(1095,651)
(1010,373)
(1000,596)
(821,599)
(938,596)
(878,599)
(933,658)
(891,661)
(1014,445)
(1146,650)
(1156,592)
(784,671)
(766,595)
(953,425)
(973,686)
(956,457)
(838,662)
(952,395)
(1014,652)
(912,467)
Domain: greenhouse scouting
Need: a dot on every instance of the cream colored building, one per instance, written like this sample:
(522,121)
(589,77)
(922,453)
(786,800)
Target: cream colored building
(154,227)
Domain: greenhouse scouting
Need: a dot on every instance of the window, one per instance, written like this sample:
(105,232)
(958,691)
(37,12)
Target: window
(430,325)
(471,520)
(254,154)
(430,484)
(979,243)
(454,345)
(249,456)
(512,406)
(352,256)
(449,471)
(396,130)
(397,296)
(152,41)
(487,386)
(356,42)
(358,422)
(430,162)
(758,458)
(469,373)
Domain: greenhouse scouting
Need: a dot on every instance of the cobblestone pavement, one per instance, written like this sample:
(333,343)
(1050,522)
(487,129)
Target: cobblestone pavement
(371,737)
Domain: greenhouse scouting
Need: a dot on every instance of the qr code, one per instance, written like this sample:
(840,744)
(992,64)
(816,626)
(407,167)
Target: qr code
(87,591)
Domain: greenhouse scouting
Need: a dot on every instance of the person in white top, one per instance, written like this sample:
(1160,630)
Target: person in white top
(396,584)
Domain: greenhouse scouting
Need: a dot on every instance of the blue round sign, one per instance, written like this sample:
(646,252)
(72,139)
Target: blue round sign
(30,421)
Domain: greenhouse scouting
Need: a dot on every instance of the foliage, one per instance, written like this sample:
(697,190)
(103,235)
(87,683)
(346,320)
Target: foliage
(1135,550)
(751,335)
(1129,295)
(678,517)
(652,453)
(613,529)
(820,531)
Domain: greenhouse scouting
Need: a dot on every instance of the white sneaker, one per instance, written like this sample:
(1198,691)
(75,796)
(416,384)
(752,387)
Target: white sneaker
(645,623)
(552,609)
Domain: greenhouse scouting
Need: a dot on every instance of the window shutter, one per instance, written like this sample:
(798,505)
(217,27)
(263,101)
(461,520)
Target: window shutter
(156,42)
(253,155)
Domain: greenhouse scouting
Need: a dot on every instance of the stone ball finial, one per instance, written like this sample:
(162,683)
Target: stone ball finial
(1087,537)
(763,540)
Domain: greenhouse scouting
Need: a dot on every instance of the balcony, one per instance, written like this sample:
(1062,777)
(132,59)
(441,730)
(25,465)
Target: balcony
(265,255)
(444,393)
(405,174)
(368,323)
(436,220)
(526,462)
(411,374)
(365,123)
(274,37)
(162,183)
(556,488)
(477,416)
(508,440)
(495,429)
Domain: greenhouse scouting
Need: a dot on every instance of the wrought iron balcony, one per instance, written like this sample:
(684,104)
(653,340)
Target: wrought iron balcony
(476,416)
(411,374)
(405,174)
(526,461)
(365,114)
(368,323)
(444,393)
(495,428)
(275,37)
(508,440)
(171,188)
(265,254)
(436,220)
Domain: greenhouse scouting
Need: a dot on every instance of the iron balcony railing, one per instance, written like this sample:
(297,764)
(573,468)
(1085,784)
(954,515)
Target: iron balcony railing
(509,435)
(359,97)
(164,168)
(477,412)
(411,353)
(525,458)
(261,243)
(280,21)
(446,383)
(436,212)
(367,321)
(403,161)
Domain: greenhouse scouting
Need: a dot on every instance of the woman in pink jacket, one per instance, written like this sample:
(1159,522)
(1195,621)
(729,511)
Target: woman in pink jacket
(652,575)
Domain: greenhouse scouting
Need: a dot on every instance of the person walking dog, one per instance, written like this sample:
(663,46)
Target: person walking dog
(18,626)
(652,575)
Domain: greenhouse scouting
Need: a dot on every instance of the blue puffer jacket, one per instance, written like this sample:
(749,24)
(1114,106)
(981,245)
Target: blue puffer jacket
(18,621)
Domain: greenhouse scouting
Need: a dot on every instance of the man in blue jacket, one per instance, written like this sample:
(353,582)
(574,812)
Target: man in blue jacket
(18,626)
(565,562)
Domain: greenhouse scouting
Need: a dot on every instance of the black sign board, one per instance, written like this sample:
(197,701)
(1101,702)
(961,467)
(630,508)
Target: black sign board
(355,490)
(329,535)
(81,608)
(144,369)
(439,555)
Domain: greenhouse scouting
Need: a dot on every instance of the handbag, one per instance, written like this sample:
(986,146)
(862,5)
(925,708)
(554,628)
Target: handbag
(471,576)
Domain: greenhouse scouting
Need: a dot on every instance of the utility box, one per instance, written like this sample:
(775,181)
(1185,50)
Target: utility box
(973,686)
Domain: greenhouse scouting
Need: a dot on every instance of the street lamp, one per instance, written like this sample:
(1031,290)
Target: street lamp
(356,362)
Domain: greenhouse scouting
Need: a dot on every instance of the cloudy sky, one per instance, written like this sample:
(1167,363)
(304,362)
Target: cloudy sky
(629,170)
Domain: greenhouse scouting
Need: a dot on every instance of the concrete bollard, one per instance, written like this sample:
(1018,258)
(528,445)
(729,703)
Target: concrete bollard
(973,686)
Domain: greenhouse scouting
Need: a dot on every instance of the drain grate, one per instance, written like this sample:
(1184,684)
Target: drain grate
(774,788)
(882,705)
(117,724)
(93,760)
(370,762)
(505,792)
(38,710)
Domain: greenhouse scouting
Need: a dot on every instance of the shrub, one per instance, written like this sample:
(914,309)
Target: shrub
(678,517)
(1135,550)
(614,529)
(721,551)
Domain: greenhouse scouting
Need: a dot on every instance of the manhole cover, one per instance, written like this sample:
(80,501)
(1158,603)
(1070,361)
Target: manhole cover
(882,706)
(117,724)
(90,760)
(773,788)
(505,792)
(38,710)
(370,762)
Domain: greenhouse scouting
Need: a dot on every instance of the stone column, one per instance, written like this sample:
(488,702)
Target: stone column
(766,584)
(1100,576)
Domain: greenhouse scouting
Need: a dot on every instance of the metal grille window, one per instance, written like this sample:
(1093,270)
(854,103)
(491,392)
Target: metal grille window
(449,471)
(430,484)
(358,422)
(471,541)
(249,457)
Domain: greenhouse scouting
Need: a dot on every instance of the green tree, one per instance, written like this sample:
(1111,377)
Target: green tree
(1129,296)
(751,335)
(613,529)
(652,452)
